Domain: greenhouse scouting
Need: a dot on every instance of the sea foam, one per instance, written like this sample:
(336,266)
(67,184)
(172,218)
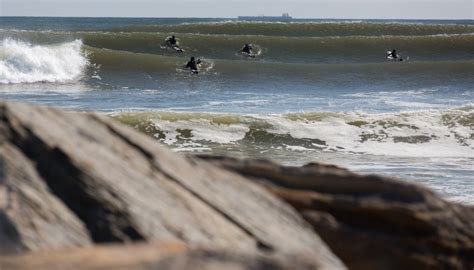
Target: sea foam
(431,133)
(22,62)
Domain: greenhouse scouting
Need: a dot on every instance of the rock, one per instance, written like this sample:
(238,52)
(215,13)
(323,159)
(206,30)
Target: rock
(31,218)
(370,222)
(72,179)
(160,255)
(131,256)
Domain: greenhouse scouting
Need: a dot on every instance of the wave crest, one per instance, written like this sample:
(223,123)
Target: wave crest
(22,62)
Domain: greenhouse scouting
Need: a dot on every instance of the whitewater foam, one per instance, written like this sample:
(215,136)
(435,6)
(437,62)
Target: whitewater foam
(22,62)
(202,130)
(431,134)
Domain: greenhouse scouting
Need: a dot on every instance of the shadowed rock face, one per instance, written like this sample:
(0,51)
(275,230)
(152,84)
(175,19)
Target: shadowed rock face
(71,179)
(31,218)
(370,222)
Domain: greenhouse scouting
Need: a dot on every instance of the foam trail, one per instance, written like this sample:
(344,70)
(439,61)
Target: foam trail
(22,62)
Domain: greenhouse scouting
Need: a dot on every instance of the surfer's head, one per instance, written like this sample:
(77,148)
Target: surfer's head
(192,58)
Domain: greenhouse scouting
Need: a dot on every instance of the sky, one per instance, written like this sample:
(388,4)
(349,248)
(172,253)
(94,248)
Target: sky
(354,9)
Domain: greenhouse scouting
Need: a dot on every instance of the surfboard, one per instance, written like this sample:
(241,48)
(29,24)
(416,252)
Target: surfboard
(399,58)
(250,55)
(178,49)
(174,48)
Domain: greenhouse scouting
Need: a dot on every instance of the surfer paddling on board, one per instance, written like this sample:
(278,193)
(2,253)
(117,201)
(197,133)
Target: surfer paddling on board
(247,50)
(193,65)
(172,42)
(393,55)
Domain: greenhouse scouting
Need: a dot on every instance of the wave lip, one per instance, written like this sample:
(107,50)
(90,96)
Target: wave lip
(22,62)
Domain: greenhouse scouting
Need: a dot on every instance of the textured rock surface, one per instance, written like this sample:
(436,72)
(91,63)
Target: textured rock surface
(370,222)
(70,179)
(148,256)
(29,214)
(138,256)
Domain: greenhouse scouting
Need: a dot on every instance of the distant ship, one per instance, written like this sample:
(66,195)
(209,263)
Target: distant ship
(283,18)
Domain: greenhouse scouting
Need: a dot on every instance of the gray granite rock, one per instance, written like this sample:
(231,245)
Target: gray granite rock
(96,181)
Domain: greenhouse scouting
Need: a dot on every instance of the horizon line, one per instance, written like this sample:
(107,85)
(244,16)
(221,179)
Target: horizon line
(235,18)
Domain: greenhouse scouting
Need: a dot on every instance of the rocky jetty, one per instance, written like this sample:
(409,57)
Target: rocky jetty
(80,191)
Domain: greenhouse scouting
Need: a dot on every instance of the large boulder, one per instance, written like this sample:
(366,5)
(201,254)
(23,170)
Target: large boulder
(71,179)
(370,222)
(160,255)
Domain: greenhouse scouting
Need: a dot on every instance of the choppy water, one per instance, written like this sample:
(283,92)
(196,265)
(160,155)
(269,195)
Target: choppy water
(316,91)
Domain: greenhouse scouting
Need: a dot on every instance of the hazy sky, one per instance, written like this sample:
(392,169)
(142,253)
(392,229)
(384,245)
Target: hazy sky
(402,9)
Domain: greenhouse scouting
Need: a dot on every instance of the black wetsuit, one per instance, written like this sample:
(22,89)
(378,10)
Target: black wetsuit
(193,65)
(247,49)
(393,54)
(172,41)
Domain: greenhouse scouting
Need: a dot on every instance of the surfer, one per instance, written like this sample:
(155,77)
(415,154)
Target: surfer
(247,50)
(172,42)
(392,54)
(193,65)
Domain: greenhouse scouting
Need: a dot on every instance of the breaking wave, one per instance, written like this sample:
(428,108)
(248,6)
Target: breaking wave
(23,62)
(447,133)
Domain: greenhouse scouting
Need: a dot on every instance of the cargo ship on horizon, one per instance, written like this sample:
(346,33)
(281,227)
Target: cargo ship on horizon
(284,17)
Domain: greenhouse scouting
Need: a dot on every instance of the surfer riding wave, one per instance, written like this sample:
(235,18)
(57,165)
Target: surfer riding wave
(172,42)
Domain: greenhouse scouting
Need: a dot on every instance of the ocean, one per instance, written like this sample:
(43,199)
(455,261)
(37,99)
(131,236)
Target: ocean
(316,91)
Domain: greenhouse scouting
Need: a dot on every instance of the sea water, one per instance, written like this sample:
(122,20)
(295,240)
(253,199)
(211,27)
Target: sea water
(317,90)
